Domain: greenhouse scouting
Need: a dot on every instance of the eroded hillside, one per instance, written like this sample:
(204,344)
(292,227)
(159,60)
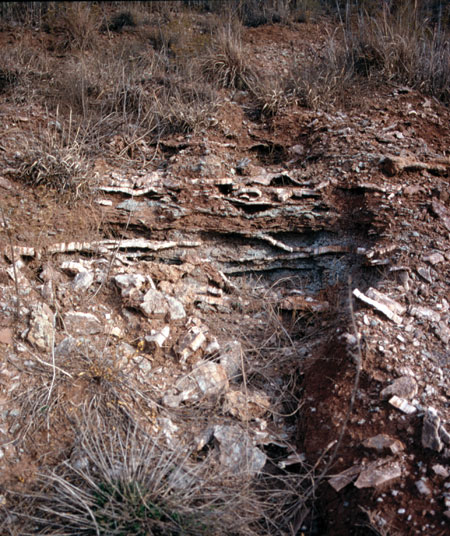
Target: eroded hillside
(224,301)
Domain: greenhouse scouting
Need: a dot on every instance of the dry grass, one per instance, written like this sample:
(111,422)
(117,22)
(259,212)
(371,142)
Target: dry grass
(226,64)
(320,82)
(121,481)
(406,46)
(56,164)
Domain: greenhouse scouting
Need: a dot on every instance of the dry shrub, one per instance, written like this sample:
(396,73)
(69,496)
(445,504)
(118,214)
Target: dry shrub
(76,23)
(131,89)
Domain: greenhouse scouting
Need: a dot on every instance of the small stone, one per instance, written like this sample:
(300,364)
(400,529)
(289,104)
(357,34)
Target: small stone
(129,283)
(430,431)
(6,336)
(388,307)
(231,358)
(444,435)
(442,332)
(424,313)
(403,387)
(191,342)
(434,258)
(208,379)
(423,488)
(176,309)
(425,273)
(440,470)
(236,450)
(339,481)
(115,331)
(382,443)
(83,281)
(155,304)
(211,378)
(246,406)
(157,338)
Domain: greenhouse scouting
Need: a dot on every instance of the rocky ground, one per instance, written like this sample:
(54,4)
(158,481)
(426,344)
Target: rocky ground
(272,292)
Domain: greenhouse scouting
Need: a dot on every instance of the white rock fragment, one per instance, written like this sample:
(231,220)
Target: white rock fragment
(422,488)
(231,358)
(19,251)
(158,338)
(434,258)
(402,405)
(440,470)
(129,283)
(191,342)
(155,304)
(344,478)
(403,387)
(73,268)
(246,405)
(176,309)
(208,379)
(237,452)
(82,281)
(425,273)
(41,326)
(213,347)
(389,311)
(79,323)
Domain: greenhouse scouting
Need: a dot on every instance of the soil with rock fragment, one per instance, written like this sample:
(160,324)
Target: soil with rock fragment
(171,275)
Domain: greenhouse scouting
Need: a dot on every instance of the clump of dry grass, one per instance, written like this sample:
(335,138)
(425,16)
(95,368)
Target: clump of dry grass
(62,168)
(226,64)
(319,81)
(120,481)
(76,24)
(406,47)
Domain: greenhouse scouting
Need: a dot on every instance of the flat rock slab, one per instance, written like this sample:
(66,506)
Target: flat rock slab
(377,474)
(78,323)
